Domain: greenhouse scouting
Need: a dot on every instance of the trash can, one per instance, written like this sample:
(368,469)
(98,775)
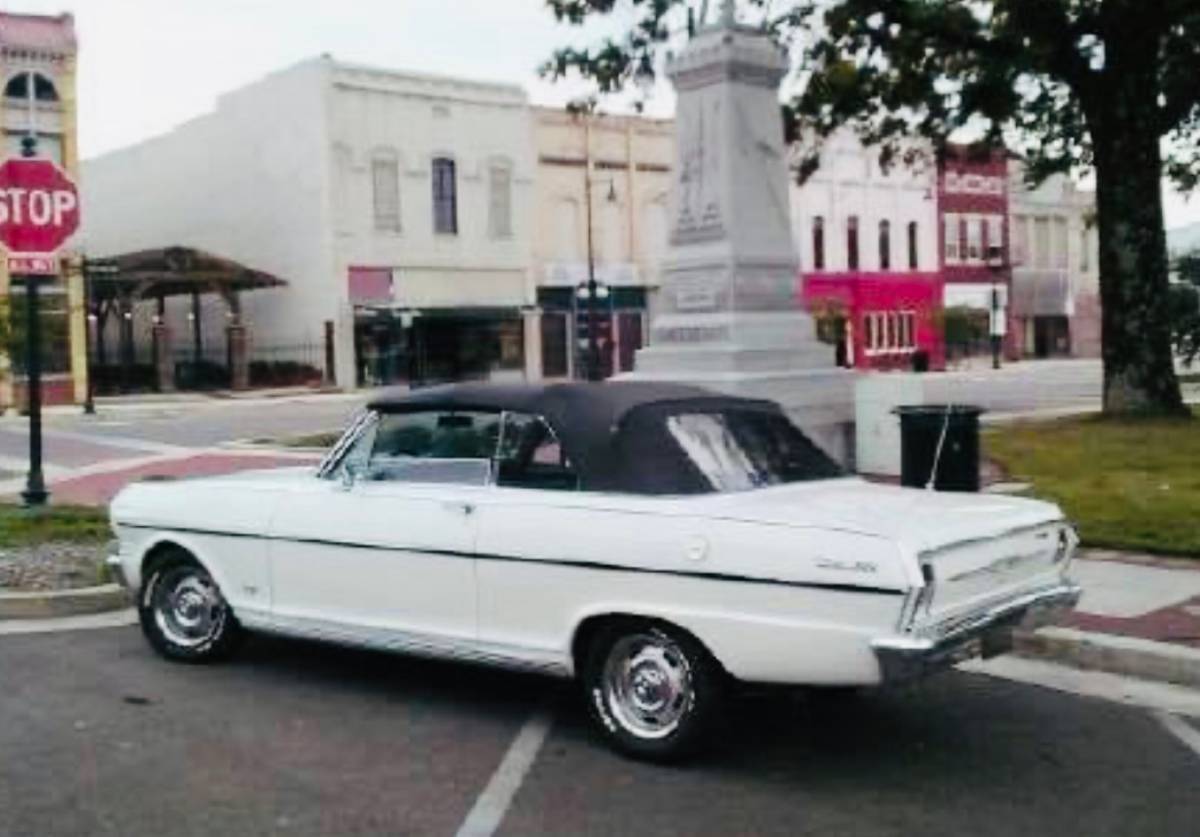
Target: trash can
(921,431)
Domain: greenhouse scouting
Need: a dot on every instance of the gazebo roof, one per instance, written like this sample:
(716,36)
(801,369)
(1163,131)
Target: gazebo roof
(176,271)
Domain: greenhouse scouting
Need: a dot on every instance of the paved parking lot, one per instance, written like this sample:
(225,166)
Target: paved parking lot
(98,736)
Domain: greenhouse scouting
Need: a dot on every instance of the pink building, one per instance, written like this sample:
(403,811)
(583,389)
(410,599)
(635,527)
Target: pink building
(886,318)
(869,255)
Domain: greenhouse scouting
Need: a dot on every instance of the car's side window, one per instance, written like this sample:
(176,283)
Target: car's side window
(530,456)
(437,446)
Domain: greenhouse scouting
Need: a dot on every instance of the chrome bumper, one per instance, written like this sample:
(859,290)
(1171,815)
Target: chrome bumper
(113,560)
(984,634)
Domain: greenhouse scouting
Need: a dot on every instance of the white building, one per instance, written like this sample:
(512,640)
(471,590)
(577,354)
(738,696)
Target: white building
(850,200)
(394,204)
(1056,271)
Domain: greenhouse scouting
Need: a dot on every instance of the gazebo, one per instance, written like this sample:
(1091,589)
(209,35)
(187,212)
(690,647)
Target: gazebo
(115,284)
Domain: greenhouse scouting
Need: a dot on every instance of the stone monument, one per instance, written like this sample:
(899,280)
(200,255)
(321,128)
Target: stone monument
(727,315)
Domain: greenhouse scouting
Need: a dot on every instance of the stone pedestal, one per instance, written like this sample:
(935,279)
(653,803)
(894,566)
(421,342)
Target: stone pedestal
(164,360)
(729,316)
(239,357)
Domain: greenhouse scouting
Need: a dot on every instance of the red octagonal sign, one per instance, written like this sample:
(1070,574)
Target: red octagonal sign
(39,206)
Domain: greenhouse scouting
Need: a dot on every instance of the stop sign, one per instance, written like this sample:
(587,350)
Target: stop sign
(39,206)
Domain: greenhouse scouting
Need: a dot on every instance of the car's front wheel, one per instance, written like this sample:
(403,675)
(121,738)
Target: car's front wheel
(183,614)
(654,692)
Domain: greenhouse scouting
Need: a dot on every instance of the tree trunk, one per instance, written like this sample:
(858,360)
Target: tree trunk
(1139,371)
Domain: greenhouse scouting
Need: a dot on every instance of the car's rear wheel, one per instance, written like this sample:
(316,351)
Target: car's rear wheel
(654,692)
(183,614)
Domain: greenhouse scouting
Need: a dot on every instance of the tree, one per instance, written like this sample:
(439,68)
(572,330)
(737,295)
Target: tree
(1185,307)
(1073,85)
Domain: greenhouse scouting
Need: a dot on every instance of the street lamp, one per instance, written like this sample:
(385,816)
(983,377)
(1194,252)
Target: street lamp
(996,324)
(593,357)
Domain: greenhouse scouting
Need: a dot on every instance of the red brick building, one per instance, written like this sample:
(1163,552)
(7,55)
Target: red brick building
(973,212)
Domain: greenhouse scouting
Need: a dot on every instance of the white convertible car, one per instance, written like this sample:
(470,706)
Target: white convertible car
(657,542)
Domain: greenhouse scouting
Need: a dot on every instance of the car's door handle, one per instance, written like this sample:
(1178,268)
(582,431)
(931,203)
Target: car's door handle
(466,509)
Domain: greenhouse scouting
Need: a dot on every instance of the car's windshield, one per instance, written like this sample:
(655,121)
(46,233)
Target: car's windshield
(735,450)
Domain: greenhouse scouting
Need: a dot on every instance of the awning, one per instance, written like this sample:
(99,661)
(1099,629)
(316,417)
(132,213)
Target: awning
(973,295)
(174,271)
(1042,293)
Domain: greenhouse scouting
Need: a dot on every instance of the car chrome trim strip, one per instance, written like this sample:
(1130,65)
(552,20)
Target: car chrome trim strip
(408,642)
(1007,533)
(586,565)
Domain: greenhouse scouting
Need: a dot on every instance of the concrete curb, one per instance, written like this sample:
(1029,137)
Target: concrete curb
(1129,656)
(52,604)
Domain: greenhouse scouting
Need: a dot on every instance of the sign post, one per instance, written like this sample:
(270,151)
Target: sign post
(39,210)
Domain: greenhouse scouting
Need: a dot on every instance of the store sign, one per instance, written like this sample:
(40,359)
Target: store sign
(573,274)
(973,184)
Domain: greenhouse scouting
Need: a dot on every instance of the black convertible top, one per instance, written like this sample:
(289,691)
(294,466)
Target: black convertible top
(611,431)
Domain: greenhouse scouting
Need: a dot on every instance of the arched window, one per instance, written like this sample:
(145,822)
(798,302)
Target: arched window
(43,88)
(852,243)
(885,245)
(500,199)
(914,260)
(445,197)
(818,243)
(385,186)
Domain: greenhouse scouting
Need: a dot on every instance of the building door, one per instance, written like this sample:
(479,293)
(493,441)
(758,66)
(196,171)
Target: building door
(1051,336)
(629,335)
(554,345)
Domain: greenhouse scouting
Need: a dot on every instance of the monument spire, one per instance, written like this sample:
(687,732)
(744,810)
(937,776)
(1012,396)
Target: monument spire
(728,8)
(728,315)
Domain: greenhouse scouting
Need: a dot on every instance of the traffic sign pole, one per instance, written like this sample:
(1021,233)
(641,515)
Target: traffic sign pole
(35,493)
(39,210)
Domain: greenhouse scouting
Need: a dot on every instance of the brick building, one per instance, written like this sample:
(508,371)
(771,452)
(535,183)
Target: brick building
(973,212)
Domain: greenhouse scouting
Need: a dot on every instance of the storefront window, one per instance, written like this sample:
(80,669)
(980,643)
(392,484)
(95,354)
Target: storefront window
(445,197)
(975,227)
(951,233)
(385,183)
(500,200)
(889,332)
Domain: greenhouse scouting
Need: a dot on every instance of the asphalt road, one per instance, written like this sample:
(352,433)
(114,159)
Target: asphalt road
(98,736)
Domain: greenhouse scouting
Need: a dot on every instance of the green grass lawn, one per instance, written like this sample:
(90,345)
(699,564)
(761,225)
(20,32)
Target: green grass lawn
(20,526)
(1127,483)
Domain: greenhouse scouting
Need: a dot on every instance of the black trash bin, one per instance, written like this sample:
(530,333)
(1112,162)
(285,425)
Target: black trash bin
(921,429)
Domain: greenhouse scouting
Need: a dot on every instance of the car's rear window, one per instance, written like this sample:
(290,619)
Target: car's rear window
(736,450)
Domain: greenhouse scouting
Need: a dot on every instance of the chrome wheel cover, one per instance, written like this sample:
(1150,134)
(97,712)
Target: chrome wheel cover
(647,684)
(188,608)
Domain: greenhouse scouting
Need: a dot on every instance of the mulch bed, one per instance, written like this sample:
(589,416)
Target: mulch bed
(51,566)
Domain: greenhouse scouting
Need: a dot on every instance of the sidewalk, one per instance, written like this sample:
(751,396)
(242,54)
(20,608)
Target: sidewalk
(1139,616)
(96,485)
(135,402)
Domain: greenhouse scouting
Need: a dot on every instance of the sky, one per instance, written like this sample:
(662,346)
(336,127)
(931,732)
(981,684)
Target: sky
(148,65)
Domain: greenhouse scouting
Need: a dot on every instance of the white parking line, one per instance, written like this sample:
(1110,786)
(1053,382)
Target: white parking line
(491,806)
(1181,729)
